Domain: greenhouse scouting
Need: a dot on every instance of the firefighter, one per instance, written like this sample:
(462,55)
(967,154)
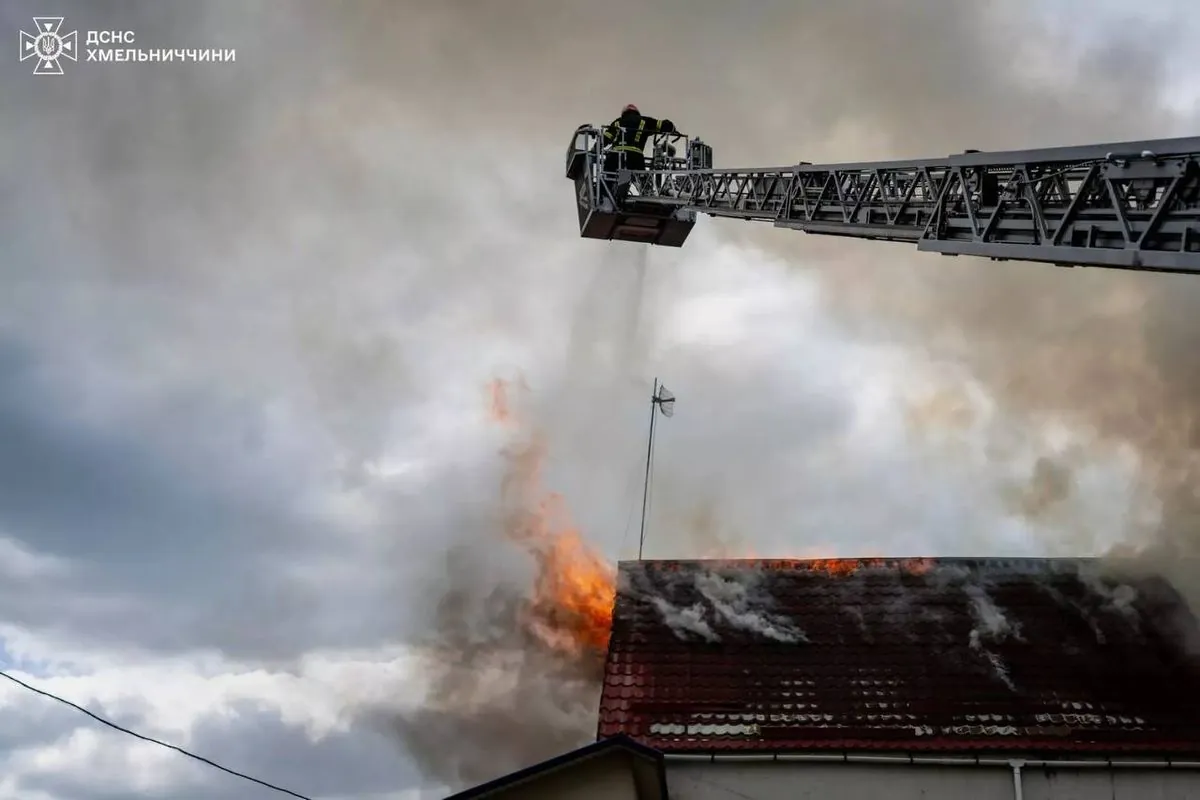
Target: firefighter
(627,136)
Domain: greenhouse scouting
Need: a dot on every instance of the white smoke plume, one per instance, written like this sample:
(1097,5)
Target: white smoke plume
(991,623)
(685,622)
(740,603)
(734,600)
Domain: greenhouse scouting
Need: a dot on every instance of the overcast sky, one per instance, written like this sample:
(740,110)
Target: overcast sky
(249,312)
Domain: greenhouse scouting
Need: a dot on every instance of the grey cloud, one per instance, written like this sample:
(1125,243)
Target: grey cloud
(103,482)
(38,726)
(358,762)
(170,537)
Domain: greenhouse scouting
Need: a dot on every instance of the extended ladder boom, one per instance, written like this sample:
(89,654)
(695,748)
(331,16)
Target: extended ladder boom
(1128,205)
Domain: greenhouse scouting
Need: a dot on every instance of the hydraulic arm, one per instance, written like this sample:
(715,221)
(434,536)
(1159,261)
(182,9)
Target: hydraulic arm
(1127,205)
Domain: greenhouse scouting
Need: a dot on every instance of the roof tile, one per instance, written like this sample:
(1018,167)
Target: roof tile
(898,654)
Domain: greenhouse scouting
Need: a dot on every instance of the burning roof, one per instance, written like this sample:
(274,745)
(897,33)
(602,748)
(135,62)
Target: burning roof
(907,654)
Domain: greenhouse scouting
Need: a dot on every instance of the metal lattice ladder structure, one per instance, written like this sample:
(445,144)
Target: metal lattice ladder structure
(1125,205)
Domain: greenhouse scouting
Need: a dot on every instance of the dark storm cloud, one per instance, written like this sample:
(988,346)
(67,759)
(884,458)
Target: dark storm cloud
(149,508)
(58,478)
(152,260)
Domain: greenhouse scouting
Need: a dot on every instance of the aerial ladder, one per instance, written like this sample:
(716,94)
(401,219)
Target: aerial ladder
(1125,205)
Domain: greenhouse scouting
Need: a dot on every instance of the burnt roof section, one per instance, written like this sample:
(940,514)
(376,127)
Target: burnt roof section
(899,654)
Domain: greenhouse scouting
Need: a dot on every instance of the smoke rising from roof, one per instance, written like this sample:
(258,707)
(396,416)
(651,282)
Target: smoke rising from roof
(1100,351)
(734,601)
(498,694)
(685,622)
(515,650)
(991,622)
(740,602)
(986,617)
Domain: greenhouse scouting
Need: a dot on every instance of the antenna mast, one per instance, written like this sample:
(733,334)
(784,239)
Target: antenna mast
(663,400)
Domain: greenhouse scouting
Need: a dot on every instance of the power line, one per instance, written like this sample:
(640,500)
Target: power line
(137,735)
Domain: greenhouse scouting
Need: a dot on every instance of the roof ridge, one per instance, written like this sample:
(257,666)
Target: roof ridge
(865,559)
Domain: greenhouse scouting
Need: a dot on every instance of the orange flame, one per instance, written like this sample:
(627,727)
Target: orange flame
(849,566)
(841,567)
(574,589)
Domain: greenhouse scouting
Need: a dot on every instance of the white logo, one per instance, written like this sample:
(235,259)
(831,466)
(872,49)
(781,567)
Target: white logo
(48,45)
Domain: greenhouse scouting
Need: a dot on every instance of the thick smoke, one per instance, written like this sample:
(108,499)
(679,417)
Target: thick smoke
(1102,352)
(355,108)
(380,179)
(499,695)
(515,650)
(685,622)
(740,602)
(734,600)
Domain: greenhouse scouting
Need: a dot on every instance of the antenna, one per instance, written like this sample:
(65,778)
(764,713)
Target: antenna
(663,400)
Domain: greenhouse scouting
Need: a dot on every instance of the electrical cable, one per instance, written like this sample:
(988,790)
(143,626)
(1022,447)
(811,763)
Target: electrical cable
(144,738)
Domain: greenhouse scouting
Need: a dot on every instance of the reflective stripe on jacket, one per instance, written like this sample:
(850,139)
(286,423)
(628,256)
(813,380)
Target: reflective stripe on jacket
(638,130)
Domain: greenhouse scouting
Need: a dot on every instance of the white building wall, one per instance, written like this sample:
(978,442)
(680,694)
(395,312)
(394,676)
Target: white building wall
(808,780)
(606,777)
(793,780)
(1121,784)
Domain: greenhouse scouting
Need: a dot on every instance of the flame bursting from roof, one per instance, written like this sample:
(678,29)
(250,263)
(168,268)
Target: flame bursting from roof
(814,562)
(574,587)
(849,566)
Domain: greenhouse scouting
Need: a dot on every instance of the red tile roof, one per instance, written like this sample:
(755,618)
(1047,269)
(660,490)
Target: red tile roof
(906,654)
